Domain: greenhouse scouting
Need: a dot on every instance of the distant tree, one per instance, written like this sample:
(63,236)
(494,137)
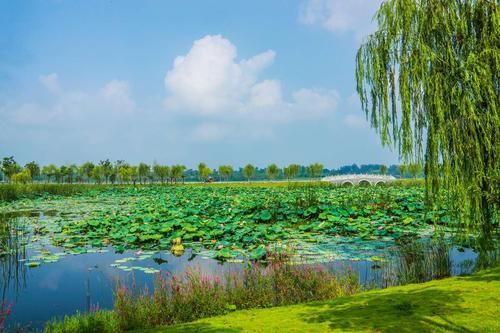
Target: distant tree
(86,170)
(161,172)
(122,174)
(177,172)
(383,169)
(22,177)
(106,169)
(204,171)
(10,167)
(402,170)
(34,169)
(115,175)
(50,171)
(71,172)
(143,171)
(61,175)
(98,173)
(134,173)
(414,169)
(315,170)
(126,173)
(248,171)
(225,171)
(291,171)
(272,171)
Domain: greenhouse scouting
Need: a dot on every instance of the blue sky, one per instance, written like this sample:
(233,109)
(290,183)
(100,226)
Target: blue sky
(184,81)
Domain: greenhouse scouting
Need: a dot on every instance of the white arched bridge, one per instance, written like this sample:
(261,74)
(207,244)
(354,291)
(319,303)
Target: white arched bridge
(359,179)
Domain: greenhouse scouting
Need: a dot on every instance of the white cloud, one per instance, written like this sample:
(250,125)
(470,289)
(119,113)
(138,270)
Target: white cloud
(28,113)
(341,16)
(210,81)
(68,107)
(314,102)
(353,102)
(117,93)
(266,94)
(356,121)
(209,132)
(51,82)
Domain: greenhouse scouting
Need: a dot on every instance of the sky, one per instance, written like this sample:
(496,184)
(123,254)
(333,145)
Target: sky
(224,82)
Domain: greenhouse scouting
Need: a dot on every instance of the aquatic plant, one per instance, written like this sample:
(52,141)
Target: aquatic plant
(194,295)
(238,221)
(417,261)
(222,222)
(5,311)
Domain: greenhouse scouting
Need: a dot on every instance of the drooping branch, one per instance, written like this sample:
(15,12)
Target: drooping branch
(429,77)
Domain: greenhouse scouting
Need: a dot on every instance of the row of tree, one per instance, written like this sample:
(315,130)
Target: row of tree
(122,172)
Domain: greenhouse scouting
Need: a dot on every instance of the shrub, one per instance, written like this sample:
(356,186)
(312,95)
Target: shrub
(94,322)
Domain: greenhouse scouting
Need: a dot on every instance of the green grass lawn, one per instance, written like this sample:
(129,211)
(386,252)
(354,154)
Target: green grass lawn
(461,304)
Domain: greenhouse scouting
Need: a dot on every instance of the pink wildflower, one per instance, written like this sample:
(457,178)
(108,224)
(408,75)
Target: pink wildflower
(94,307)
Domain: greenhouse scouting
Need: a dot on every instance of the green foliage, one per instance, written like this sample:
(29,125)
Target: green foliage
(86,170)
(291,171)
(238,220)
(11,192)
(383,169)
(431,72)
(33,168)
(177,172)
(461,304)
(105,170)
(402,170)
(204,171)
(414,169)
(94,322)
(98,174)
(10,166)
(225,171)
(66,173)
(178,299)
(126,173)
(22,177)
(315,170)
(248,171)
(50,171)
(272,171)
(143,172)
(161,171)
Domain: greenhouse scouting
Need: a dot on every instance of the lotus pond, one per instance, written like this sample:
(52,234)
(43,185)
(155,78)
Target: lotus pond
(62,254)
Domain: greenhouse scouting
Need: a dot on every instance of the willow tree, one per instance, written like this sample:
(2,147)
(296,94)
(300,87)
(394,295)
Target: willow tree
(248,171)
(428,81)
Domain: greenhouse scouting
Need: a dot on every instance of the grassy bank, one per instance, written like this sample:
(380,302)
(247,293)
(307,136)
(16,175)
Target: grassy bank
(461,304)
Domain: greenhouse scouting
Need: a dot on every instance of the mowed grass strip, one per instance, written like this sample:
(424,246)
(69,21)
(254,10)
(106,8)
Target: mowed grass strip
(460,304)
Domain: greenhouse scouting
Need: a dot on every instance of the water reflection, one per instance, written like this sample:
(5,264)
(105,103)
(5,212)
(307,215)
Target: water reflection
(12,253)
(79,282)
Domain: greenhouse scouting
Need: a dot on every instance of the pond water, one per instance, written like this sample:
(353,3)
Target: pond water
(43,281)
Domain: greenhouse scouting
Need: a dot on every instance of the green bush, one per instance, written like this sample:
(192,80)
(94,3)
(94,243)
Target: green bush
(94,322)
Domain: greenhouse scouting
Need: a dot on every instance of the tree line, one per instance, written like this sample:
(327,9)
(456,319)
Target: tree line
(121,172)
